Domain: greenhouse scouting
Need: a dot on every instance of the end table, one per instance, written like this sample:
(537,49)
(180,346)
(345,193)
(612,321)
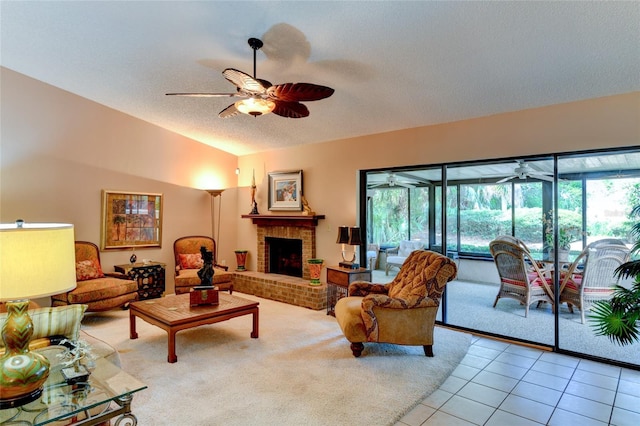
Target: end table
(338,280)
(150,277)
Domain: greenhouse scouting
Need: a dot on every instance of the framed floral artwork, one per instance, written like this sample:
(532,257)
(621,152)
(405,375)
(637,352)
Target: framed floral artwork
(285,191)
(130,219)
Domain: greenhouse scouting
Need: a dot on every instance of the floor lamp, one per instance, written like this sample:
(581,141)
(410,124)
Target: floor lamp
(214,193)
(36,260)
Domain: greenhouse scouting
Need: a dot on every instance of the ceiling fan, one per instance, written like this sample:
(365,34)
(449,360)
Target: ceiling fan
(391,181)
(261,97)
(524,170)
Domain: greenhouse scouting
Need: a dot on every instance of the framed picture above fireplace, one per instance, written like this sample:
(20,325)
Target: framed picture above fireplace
(285,190)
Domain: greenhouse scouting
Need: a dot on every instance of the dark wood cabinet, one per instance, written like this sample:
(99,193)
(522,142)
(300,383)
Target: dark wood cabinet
(150,277)
(338,280)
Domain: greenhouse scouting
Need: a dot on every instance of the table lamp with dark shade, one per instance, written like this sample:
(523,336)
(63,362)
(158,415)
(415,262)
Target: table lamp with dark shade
(36,260)
(349,236)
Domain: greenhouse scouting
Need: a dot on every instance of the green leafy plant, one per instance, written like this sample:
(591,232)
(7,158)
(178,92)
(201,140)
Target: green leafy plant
(566,233)
(619,317)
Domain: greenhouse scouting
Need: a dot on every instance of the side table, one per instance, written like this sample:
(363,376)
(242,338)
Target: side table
(150,277)
(338,280)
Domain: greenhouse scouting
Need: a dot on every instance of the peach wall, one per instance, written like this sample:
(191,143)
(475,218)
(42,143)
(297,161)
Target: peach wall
(58,151)
(330,169)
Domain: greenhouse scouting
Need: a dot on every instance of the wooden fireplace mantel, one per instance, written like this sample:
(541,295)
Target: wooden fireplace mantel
(300,221)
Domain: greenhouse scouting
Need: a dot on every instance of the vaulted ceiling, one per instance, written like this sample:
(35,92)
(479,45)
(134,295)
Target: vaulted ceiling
(393,65)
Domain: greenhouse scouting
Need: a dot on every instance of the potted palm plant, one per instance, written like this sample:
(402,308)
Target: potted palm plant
(619,317)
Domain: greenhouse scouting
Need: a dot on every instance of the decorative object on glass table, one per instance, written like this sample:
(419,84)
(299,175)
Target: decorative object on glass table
(77,360)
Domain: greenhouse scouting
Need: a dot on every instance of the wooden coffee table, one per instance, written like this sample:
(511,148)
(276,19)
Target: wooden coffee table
(173,313)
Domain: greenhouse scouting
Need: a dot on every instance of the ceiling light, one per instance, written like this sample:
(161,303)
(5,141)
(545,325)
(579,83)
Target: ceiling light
(255,106)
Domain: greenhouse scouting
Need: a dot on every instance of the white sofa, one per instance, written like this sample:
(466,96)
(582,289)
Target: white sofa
(396,256)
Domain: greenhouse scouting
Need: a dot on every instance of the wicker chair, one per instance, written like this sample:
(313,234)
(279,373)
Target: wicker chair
(513,240)
(520,276)
(403,311)
(396,256)
(591,277)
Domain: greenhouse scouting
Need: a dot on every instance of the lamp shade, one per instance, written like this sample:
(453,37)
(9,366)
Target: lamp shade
(343,235)
(354,236)
(36,260)
(255,106)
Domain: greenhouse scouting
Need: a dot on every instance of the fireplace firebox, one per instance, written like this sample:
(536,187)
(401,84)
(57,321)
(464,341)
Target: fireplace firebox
(285,256)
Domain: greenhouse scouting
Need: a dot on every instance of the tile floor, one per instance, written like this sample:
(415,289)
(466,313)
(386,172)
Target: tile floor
(498,383)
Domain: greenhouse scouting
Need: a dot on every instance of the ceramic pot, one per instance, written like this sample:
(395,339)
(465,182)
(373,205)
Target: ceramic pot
(241,260)
(315,268)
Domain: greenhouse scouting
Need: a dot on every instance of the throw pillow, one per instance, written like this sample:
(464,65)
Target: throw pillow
(191,261)
(61,320)
(88,270)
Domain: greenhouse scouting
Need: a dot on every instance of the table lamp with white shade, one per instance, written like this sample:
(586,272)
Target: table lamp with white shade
(36,260)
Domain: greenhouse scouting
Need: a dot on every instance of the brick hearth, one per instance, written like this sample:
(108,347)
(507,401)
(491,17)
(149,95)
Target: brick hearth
(283,288)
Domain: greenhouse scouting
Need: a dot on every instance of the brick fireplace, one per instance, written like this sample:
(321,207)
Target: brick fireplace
(278,286)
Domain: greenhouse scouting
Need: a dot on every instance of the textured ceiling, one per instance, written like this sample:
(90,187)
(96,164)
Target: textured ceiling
(393,65)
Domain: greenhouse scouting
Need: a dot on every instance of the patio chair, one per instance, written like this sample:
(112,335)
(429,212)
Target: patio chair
(591,277)
(520,276)
(397,255)
(372,256)
(513,240)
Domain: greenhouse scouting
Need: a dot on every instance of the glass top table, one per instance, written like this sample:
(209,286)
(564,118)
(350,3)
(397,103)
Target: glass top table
(106,394)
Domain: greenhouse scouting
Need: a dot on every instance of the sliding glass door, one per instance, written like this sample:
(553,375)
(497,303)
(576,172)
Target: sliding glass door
(552,206)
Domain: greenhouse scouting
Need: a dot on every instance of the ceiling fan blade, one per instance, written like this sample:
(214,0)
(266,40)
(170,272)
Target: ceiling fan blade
(244,81)
(229,111)
(404,185)
(541,177)
(207,95)
(299,92)
(506,179)
(290,109)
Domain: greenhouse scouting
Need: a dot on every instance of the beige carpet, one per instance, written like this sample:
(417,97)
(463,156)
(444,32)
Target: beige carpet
(300,371)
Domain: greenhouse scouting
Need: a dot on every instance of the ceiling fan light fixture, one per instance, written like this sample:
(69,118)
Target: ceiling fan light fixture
(255,106)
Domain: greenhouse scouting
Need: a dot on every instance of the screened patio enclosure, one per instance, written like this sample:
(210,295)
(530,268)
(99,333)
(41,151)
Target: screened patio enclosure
(549,202)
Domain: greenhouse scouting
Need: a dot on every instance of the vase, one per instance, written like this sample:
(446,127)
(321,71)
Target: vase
(563,255)
(23,372)
(315,268)
(241,260)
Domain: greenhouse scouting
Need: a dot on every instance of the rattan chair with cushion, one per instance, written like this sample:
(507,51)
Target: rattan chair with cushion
(403,311)
(98,290)
(520,276)
(189,260)
(396,256)
(591,277)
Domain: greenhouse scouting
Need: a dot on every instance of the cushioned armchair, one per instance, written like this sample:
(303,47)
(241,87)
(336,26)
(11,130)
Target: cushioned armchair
(189,260)
(402,312)
(396,256)
(98,290)
(591,277)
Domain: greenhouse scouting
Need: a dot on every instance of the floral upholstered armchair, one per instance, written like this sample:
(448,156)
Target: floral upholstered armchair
(402,312)
(98,290)
(189,260)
